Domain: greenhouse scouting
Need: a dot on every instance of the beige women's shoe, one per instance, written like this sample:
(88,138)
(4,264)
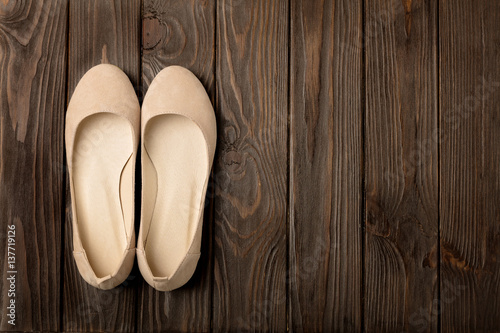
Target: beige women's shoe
(179,133)
(102,134)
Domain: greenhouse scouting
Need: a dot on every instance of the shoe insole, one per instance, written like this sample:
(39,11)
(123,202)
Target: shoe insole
(175,170)
(103,188)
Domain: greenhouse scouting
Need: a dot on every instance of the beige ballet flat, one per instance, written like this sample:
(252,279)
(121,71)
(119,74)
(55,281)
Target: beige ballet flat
(102,134)
(178,142)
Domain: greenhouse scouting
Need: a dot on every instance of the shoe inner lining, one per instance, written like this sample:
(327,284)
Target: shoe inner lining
(103,189)
(174,174)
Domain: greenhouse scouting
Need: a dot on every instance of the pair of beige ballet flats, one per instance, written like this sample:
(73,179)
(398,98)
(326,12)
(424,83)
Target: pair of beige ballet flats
(177,131)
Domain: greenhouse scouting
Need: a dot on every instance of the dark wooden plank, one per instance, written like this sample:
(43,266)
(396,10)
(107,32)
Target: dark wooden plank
(100,32)
(249,291)
(325,246)
(401,166)
(470,165)
(180,33)
(32,101)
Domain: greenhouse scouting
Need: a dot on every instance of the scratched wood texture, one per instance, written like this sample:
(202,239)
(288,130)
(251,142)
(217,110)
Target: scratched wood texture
(401,166)
(470,165)
(99,32)
(180,33)
(325,243)
(250,213)
(356,183)
(32,103)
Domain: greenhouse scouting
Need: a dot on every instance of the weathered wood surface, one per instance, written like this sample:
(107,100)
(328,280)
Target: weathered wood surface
(32,102)
(250,173)
(356,184)
(401,166)
(325,244)
(469,162)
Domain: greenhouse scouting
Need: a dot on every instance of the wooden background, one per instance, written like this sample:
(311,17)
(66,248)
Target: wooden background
(356,184)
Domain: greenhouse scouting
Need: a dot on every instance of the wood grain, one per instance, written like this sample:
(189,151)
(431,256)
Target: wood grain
(401,292)
(32,97)
(470,165)
(325,246)
(180,33)
(319,103)
(100,32)
(251,166)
